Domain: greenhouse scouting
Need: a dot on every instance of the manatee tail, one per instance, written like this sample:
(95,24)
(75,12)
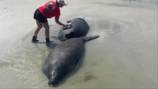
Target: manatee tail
(89,38)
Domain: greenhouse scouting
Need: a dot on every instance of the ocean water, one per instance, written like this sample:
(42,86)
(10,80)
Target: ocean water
(124,57)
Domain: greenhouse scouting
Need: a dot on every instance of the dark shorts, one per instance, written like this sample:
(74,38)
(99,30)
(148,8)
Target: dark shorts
(39,17)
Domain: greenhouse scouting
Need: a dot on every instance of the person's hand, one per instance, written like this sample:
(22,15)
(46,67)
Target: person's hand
(67,26)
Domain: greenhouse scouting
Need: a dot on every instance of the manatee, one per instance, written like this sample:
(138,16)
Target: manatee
(64,58)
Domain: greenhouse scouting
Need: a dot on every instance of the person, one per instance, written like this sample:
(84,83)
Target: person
(47,10)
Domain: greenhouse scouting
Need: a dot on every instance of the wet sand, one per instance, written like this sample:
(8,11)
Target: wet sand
(125,55)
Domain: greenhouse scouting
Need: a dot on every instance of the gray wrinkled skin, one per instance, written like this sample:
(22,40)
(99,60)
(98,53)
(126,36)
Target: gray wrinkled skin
(63,59)
(79,28)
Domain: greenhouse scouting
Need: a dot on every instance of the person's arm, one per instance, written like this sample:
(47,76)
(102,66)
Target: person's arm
(58,22)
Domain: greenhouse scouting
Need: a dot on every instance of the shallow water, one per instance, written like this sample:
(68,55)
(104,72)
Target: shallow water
(125,55)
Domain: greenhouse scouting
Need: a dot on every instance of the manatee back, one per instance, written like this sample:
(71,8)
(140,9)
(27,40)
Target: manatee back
(67,54)
(64,59)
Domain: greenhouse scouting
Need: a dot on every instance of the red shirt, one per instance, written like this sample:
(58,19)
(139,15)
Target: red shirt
(51,12)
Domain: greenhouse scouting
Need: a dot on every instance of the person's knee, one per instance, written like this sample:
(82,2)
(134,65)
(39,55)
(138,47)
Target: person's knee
(46,27)
(40,26)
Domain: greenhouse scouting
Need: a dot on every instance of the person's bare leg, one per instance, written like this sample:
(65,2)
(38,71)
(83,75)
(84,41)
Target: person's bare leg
(46,26)
(39,26)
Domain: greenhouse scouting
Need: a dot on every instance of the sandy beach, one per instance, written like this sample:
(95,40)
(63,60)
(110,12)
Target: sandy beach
(124,57)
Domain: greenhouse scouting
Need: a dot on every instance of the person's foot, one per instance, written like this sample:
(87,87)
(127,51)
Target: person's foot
(50,44)
(47,41)
(34,39)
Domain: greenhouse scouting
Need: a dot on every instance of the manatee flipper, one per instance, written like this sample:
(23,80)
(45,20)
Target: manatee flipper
(89,38)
